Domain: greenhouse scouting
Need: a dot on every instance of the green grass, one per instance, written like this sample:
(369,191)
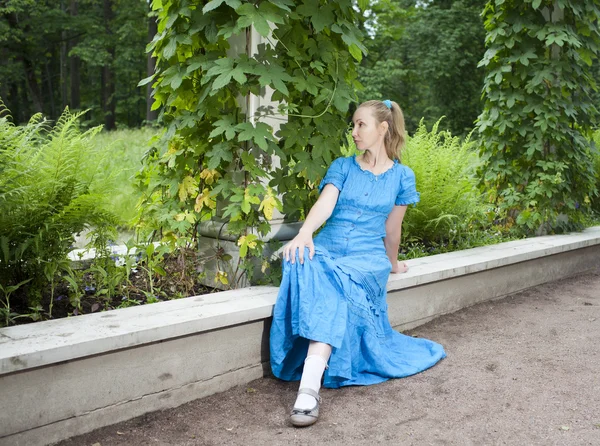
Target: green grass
(125,150)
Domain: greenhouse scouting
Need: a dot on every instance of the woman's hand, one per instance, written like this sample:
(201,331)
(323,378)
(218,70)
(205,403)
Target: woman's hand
(400,267)
(298,243)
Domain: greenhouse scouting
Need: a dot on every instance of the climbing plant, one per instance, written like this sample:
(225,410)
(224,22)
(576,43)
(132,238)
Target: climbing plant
(538,111)
(214,159)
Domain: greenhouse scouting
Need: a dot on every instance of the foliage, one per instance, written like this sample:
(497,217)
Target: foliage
(110,280)
(595,150)
(49,48)
(539,110)
(451,205)
(309,63)
(124,150)
(424,55)
(52,185)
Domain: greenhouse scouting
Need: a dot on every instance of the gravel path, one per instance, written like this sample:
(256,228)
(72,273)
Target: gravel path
(520,371)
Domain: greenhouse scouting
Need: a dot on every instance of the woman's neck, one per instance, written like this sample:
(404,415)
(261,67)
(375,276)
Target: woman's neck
(374,158)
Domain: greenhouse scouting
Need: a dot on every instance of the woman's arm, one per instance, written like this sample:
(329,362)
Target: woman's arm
(393,231)
(318,214)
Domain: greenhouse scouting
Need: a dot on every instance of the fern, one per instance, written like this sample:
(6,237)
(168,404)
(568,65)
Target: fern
(52,185)
(450,204)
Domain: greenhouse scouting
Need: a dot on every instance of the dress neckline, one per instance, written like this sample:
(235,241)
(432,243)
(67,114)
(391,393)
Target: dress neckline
(368,172)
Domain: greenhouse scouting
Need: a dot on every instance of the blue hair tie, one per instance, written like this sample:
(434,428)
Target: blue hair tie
(387,103)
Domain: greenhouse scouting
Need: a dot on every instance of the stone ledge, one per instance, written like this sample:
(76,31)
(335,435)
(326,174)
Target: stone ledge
(44,343)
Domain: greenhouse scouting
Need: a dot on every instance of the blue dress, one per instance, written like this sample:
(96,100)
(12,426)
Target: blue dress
(339,297)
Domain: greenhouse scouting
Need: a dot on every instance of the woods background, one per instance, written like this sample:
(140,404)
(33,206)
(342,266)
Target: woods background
(87,54)
(90,54)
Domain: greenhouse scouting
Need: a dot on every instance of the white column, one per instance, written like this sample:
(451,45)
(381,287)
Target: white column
(213,235)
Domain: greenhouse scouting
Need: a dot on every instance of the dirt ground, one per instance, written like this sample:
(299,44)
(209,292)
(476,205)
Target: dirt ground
(520,371)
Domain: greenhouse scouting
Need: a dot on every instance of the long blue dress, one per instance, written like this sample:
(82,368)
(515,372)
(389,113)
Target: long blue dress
(339,297)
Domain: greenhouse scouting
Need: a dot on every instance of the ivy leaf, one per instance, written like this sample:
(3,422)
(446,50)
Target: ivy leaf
(214,4)
(355,52)
(363,4)
(259,134)
(586,55)
(283,4)
(218,154)
(322,18)
(225,125)
(146,80)
(246,242)
(250,16)
(249,161)
(169,49)
(188,187)
(248,200)
(210,176)
(308,167)
(349,36)
(224,70)
(205,199)
(269,204)
(273,75)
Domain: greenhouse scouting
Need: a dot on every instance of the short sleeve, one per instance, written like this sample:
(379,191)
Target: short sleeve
(408,188)
(336,175)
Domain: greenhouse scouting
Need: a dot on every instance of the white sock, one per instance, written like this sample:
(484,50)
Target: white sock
(314,366)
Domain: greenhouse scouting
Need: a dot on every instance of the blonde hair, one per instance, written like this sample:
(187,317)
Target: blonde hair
(395,137)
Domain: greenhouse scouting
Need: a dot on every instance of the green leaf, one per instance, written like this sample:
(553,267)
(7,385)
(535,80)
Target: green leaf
(146,80)
(355,52)
(260,134)
(273,75)
(536,4)
(363,4)
(349,36)
(323,18)
(283,4)
(251,16)
(220,153)
(225,125)
(214,4)
(170,49)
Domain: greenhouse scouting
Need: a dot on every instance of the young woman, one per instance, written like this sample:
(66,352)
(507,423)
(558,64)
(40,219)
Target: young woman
(331,314)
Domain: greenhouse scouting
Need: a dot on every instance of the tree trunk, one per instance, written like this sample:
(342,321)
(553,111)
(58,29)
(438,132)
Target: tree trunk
(151,115)
(63,62)
(14,99)
(30,76)
(108,78)
(50,90)
(32,84)
(74,64)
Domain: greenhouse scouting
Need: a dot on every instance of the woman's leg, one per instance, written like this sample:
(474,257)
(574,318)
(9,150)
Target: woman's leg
(314,367)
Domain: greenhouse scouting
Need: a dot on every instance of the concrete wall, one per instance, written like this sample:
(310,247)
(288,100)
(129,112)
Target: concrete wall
(67,377)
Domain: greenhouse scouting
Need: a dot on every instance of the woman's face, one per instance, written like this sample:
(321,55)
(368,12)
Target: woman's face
(367,132)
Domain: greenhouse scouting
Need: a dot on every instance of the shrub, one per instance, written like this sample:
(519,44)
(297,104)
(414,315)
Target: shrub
(451,205)
(53,184)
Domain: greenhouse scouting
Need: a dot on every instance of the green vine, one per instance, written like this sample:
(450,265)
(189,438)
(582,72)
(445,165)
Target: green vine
(539,111)
(215,161)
